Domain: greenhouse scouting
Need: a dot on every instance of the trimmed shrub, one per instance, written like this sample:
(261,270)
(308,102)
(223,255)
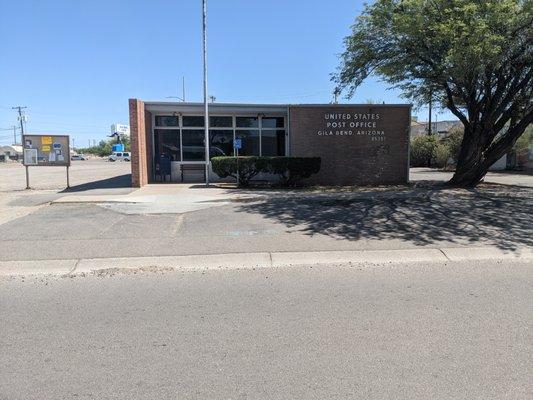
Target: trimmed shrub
(242,168)
(289,169)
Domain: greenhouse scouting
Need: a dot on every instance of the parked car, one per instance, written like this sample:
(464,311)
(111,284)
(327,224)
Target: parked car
(78,157)
(120,156)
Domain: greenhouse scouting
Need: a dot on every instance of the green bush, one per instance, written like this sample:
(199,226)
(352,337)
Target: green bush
(289,169)
(423,150)
(454,141)
(442,155)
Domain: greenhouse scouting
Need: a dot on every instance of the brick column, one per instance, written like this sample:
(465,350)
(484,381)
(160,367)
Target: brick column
(139,172)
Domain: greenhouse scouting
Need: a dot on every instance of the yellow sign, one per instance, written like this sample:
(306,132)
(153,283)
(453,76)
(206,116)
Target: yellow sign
(46,149)
(47,140)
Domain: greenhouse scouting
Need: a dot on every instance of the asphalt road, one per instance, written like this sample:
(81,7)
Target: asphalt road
(456,331)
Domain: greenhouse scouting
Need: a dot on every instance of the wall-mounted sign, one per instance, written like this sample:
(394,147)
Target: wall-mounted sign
(46,150)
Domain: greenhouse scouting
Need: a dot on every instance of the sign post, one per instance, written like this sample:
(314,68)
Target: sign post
(46,151)
(237,144)
(27,177)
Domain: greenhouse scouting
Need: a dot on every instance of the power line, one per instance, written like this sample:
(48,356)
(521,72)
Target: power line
(22,117)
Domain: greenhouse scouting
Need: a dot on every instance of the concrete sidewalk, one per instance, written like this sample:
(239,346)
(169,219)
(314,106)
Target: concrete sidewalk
(259,260)
(509,178)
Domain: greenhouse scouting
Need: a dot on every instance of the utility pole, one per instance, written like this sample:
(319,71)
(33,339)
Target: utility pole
(430,111)
(212,98)
(22,117)
(15,134)
(336,96)
(206,104)
(430,122)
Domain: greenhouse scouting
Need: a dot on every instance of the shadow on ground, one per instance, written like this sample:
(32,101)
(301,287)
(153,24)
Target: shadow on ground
(421,217)
(120,181)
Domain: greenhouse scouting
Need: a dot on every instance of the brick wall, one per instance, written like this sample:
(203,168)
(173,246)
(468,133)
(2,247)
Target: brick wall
(139,165)
(149,140)
(358,144)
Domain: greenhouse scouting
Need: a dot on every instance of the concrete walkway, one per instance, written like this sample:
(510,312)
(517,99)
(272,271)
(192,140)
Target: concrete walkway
(164,199)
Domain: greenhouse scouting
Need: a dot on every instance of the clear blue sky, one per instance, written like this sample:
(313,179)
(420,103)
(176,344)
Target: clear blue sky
(74,64)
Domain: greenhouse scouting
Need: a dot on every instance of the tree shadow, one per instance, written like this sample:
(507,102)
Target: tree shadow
(422,217)
(120,181)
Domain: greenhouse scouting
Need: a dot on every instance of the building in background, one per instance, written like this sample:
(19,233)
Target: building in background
(440,128)
(11,152)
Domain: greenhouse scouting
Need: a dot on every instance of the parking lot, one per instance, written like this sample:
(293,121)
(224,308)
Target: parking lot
(84,175)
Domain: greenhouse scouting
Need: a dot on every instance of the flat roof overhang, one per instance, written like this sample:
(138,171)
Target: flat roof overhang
(245,108)
(214,108)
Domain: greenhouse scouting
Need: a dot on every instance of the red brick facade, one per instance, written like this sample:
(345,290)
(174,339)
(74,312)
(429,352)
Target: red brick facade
(139,144)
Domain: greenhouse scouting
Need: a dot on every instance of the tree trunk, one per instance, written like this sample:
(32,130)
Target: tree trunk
(469,176)
(470,168)
(477,156)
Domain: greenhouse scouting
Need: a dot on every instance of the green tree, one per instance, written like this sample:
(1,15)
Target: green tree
(474,56)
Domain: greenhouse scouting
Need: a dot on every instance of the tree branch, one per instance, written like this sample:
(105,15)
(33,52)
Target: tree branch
(453,108)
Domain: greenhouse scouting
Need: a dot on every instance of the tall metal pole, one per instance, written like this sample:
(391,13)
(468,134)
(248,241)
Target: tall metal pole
(430,122)
(206,105)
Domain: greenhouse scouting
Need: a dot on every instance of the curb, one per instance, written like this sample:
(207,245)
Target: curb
(260,260)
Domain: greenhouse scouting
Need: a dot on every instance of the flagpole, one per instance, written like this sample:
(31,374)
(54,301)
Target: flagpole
(206,105)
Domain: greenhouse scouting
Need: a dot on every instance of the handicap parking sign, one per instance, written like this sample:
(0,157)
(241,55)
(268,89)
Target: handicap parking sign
(237,144)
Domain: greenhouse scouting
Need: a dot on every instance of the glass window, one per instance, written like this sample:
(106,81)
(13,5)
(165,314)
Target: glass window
(273,142)
(273,122)
(166,120)
(193,121)
(193,144)
(220,143)
(250,142)
(167,141)
(221,122)
(247,122)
